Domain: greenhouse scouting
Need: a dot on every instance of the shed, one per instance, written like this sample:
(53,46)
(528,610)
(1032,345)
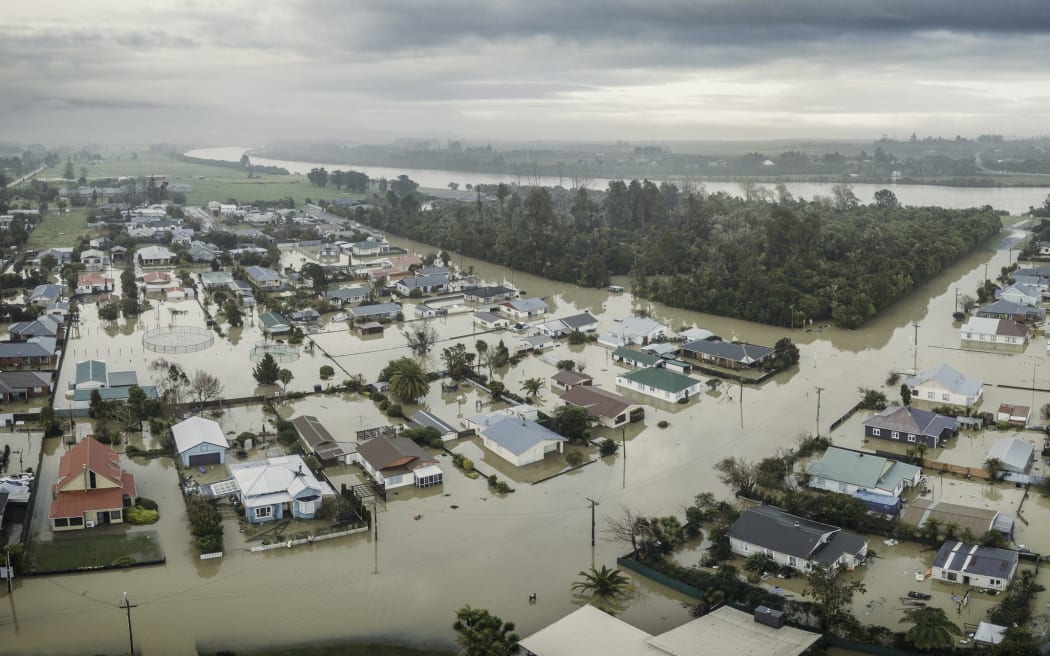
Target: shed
(199,442)
(1015,454)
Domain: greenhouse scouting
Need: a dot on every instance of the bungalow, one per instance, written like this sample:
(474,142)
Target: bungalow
(978,521)
(583,322)
(270,488)
(610,409)
(23,385)
(1015,456)
(633,358)
(243,291)
(369,328)
(945,385)
(91,490)
(428,312)
(489,294)
(93,260)
(989,568)
(272,323)
(517,440)
(348,295)
(398,461)
(92,283)
(847,471)
(794,541)
(98,242)
(426,419)
(1016,415)
(203,252)
(994,334)
(154,256)
(525,308)
(216,279)
(34,352)
(437,282)
(378,311)
(308,315)
(118,253)
(200,441)
(321,442)
(158,281)
(262,277)
(694,334)
(370,247)
(568,379)
(660,383)
(732,355)
(534,344)
(44,295)
(634,330)
(44,326)
(1043,247)
(911,425)
(1003,309)
(1021,294)
(490,321)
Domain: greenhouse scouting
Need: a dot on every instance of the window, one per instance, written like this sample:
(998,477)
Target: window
(950,576)
(61,521)
(114,515)
(745,546)
(76,521)
(792,561)
(895,435)
(994,582)
(944,397)
(262,512)
(931,395)
(911,438)
(876,432)
(306,507)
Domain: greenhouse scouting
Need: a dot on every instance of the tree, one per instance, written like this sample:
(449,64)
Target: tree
(483,634)
(833,598)
(785,353)
(408,380)
(905,395)
(285,376)
(872,399)
(457,359)
(739,475)
(267,372)
(205,386)
(172,382)
(403,186)
(931,629)
(994,467)
(138,403)
(69,173)
(109,312)
(233,314)
(532,387)
(886,199)
(421,338)
(318,177)
(316,274)
(603,584)
(572,422)
(48,263)
(628,528)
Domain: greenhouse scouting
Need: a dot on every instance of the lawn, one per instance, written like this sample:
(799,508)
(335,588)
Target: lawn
(338,649)
(60,230)
(87,549)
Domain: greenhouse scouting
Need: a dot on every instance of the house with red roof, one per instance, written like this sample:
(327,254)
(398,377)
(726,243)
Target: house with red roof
(92,489)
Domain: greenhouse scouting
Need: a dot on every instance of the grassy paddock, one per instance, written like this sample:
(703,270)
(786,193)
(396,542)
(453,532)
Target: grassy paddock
(85,549)
(337,648)
(60,230)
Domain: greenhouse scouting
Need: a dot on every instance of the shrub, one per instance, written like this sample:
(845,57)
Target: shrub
(608,447)
(457,459)
(148,504)
(125,561)
(574,457)
(394,411)
(327,371)
(435,443)
(287,436)
(663,423)
(140,515)
(467,464)
(384,405)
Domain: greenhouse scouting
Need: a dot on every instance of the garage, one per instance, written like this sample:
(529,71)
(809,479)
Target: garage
(214,458)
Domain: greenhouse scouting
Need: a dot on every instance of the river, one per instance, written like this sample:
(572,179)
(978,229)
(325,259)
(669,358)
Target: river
(1015,200)
(470,546)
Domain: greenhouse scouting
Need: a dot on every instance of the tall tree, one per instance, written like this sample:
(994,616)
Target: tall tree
(408,380)
(267,372)
(833,598)
(421,337)
(532,387)
(931,629)
(285,376)
(205,386)
(480,633)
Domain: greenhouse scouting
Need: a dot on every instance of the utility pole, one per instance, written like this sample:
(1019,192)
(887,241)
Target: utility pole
(594,504)
(915,357)
(956,299)
(741,395)
(819,390)
(10,574)
(375,538)
(623,443)
(127,606)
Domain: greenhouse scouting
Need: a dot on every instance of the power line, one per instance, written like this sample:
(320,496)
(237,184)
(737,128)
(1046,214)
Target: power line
(127,606)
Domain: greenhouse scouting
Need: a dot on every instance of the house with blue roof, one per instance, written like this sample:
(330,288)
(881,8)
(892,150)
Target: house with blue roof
(262,277)
(525,308)
(514,438)
(278,487)
(944,385)
(428,284)
(912,426)
(44,295)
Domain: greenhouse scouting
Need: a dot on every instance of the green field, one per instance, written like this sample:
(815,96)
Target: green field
(85,549)
(60,230)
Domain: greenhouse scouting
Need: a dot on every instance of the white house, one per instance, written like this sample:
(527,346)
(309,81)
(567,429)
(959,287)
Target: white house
(154,256)
(1021,293)
(634,330)
(525,308)
(847,471)
(490,321)
(660,383)
(793,541)
(584,322)
(994,334)
(435,282)
(370,247)
(262,277)
(989,568)
(944,385)
(517,440)
(273,488)
(398,461)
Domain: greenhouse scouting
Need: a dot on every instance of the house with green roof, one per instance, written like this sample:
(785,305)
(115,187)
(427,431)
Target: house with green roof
(634,358)
(848,471)
(660,383)
(273,323)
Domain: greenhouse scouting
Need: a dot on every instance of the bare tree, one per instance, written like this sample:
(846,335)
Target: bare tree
(628,528)
(421,338)
(740,475)
(205,386)
(172,382)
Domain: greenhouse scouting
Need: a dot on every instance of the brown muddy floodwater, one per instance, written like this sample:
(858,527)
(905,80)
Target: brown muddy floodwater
(474,547)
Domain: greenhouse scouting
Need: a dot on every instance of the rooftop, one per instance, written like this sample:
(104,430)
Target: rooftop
(661,379)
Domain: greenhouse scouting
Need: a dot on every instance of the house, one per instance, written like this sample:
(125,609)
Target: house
(517,440)
(90,374)
(93,260)
(24,385)
(945,385)
(634,358)
(489,294)
(978,521)
(34,352)
(1016,415)
(262,277)
(369,328)
(973,565)
(694,334)
(154,256)
(158,281)
(321,442)
(609,408)
(732,355)
(216,279)
(123,378)
(1020,293)
(271,488)
(243,292)
(398,461)
(92,283)
(490,321)
(200,441)
(202,252)
(370,247)
(1014,455)
(91,490)
(994,334)
(81,402)
(44,295)
(389,311)
(435,282)
(583,322)
(793,541)
(912,425)
(534,344)
(634,330)
(426,419)
(98,242)
(725,631)
(525,308)
(568,379)
(660,383)
(1003,309)
(272,323)
(118,254)
(846,471)
(308,315)
(45,326)
(987,633)
(348,295)
(428,312)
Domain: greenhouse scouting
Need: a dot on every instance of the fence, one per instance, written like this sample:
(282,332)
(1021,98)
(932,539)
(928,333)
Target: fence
(844,418)
(864,647)
(310,540)
(662,579)
(959,470)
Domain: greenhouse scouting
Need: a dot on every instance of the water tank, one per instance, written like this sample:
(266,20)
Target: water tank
(769,617)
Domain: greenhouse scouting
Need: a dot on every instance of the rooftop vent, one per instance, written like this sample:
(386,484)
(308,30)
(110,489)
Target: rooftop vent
(769,617)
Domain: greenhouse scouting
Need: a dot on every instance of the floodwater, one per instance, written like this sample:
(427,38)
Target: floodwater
(1013,199)
(470,546)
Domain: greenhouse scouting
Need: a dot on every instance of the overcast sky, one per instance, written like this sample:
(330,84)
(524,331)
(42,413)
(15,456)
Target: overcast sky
(233,72)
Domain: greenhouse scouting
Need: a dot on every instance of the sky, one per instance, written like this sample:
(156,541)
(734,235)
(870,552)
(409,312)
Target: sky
(225,72)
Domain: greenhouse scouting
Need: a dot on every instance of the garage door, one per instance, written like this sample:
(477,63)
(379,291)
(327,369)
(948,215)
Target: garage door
(205,459)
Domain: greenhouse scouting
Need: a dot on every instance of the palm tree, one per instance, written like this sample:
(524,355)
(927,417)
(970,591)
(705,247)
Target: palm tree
(532,387)
(604,583)
(408,380)
(931,628)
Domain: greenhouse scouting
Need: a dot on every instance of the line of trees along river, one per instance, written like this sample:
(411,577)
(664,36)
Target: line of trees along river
(777,262)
